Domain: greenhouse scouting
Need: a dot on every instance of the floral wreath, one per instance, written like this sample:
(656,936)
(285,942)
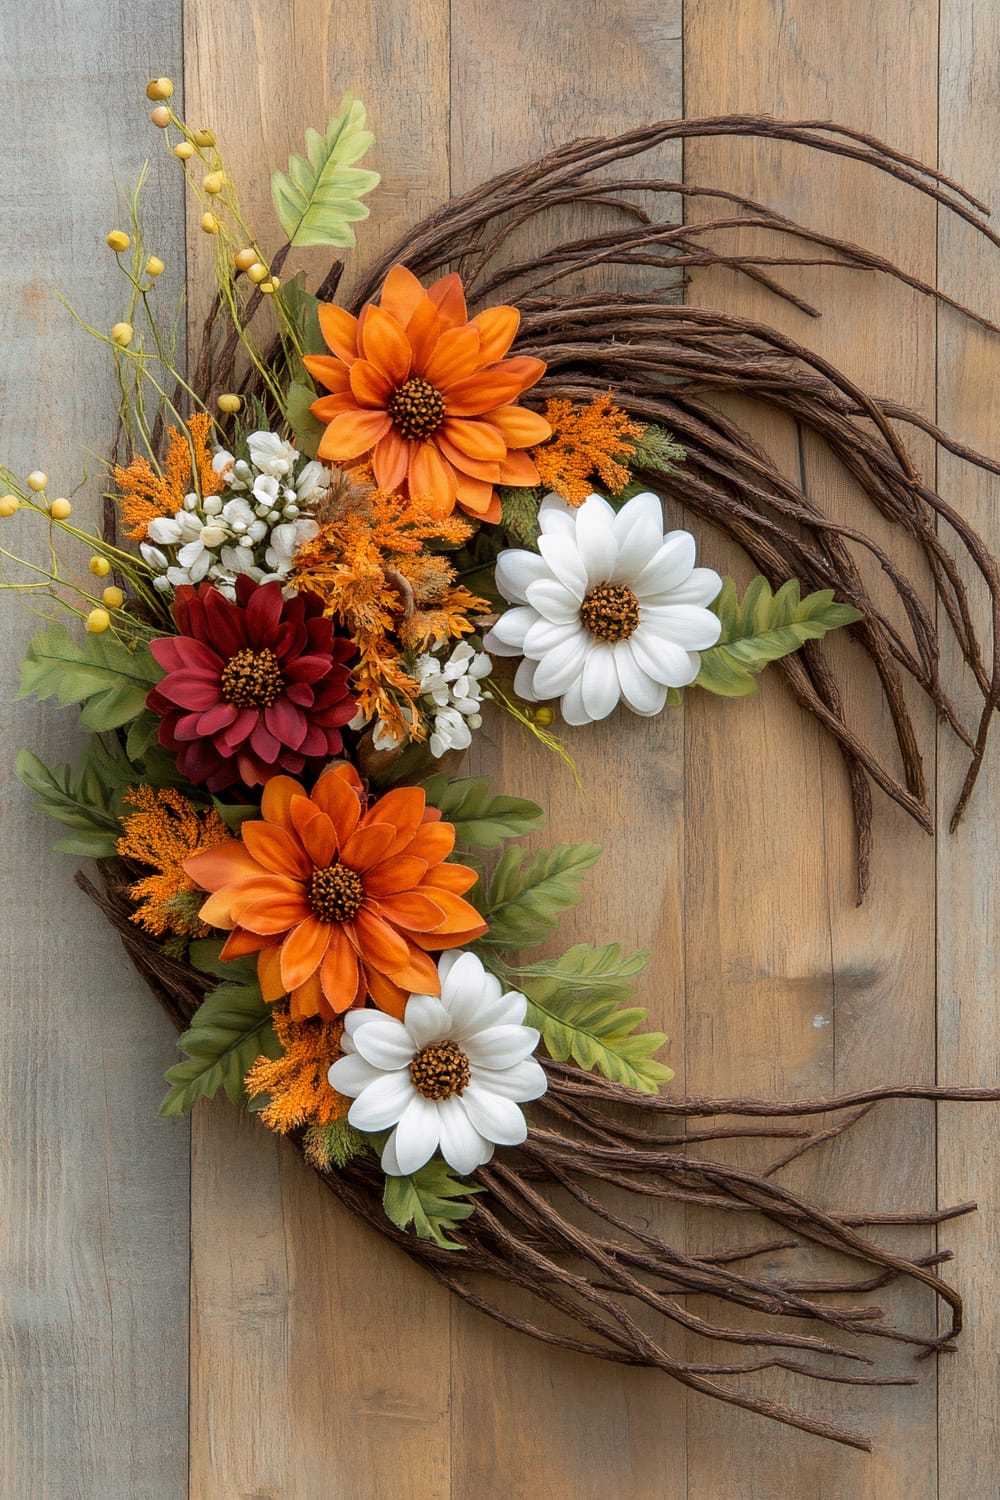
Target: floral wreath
(322,549)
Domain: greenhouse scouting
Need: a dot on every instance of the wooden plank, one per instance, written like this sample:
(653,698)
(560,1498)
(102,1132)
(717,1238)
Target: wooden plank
(968,887)
(529,1421)
(789,988)
(93,1258)
(320,1356)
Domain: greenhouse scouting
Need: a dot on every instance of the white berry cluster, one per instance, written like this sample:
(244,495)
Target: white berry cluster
(255,526)
(452,694)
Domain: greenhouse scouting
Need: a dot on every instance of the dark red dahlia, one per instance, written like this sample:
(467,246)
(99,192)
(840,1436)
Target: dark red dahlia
(252,687)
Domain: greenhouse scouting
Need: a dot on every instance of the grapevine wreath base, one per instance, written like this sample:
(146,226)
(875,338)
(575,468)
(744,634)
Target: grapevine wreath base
(541,1219)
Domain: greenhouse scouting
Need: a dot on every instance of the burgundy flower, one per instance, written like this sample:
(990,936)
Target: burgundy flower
(252,688)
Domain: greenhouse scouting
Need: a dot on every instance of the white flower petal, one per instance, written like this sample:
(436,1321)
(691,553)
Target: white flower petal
(555,517)
(664,661)
(686,625)
(601,690)
(571,705)
(563,558)
(524,1081)
(426,1020)
(507,635)
(496,1118)
(554,600)
(700,587)
(560,667)
(461,1144)
(383,1102)
(642,693)
(390,1161)
(463,976)
(543,636)
(596,540)
(417,1133)
(639,531)
(350,1074)
(500,1046)
(524,681)
(473,1013)
(670,565)
(516,570)
(386,1043)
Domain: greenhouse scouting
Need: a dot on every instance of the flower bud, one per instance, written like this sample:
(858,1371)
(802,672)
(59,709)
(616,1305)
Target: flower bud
(121,335)
(213,536)
(113,596)
(154,266)
(257,272)
(37,480)
(214,182)
(210,223)
(544,717)
(60,510)
(184,150)
(100,567)
(159,88)
(118,240)
(244,259)
(204,137)
(8,504)
(229,403)
(98,621)
(161,116)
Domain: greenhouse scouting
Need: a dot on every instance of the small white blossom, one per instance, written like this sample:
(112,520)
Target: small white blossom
(312,483)
(452,694)
(271,455)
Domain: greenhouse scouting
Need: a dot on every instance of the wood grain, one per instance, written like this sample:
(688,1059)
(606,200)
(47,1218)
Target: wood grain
(93,1253)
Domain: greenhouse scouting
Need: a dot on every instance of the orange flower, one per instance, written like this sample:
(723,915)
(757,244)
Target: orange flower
(339,901)
(164,831)
(145,494)
(428,394)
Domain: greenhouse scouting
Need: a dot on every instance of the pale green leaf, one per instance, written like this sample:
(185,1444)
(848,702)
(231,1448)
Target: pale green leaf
(87,801)
(481,820)
(433,1200)
(230,1029)
(525,900)
(761,628)
(109,678)
(317,200)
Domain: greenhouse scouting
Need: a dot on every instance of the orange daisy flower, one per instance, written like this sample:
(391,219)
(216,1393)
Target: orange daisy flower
(427,393)
(339,900)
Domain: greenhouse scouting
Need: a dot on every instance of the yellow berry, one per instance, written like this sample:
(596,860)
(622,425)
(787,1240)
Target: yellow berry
(544,717)
(99,566)
(121,335)
(37,480)
(154,266)
(60,510)
(269,286)
(210,223)
(8,504)
(118,240)
(229,403)
(98,621)
(184,149)
(161,116)
(159,88)
(244,259)
(204,137)
(113,597)
(214,182)
(257,272)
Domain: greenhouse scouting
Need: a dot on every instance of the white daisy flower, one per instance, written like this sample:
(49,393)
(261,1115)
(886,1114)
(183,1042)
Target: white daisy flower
(612,609)
(449,1077)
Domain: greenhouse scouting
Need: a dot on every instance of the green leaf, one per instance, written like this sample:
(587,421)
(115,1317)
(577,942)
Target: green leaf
(763,627)
(658,450)
(481,820)
(88,801)
(519,515)
(109,678)
(525,900)
(307,429)
(575,1002)
(317,201)
(230,1029)
(432,1200)
(234,815)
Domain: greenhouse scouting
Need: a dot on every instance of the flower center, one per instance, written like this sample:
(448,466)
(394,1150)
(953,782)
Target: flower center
(252,679)
(417,408)
(440,1070)
(610,612)
(336,893)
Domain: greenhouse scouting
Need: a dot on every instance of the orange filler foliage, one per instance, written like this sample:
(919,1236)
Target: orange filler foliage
(164,831)
(144,494)
(296,1083)
(586,441)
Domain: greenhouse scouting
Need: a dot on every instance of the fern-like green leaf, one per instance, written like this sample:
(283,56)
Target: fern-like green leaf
(762,627)
(317,200)
(575,1002)
(87,801)
(230,1029)
(524,901)
(433,1200)
(481,820)
(109,678)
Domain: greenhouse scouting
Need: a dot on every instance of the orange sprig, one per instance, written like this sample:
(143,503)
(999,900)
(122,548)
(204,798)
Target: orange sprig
(145,495)
(164,831)
(587,441)
(296,1083)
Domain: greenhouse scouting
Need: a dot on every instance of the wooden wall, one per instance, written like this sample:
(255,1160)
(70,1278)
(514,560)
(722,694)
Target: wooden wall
(322,1364)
